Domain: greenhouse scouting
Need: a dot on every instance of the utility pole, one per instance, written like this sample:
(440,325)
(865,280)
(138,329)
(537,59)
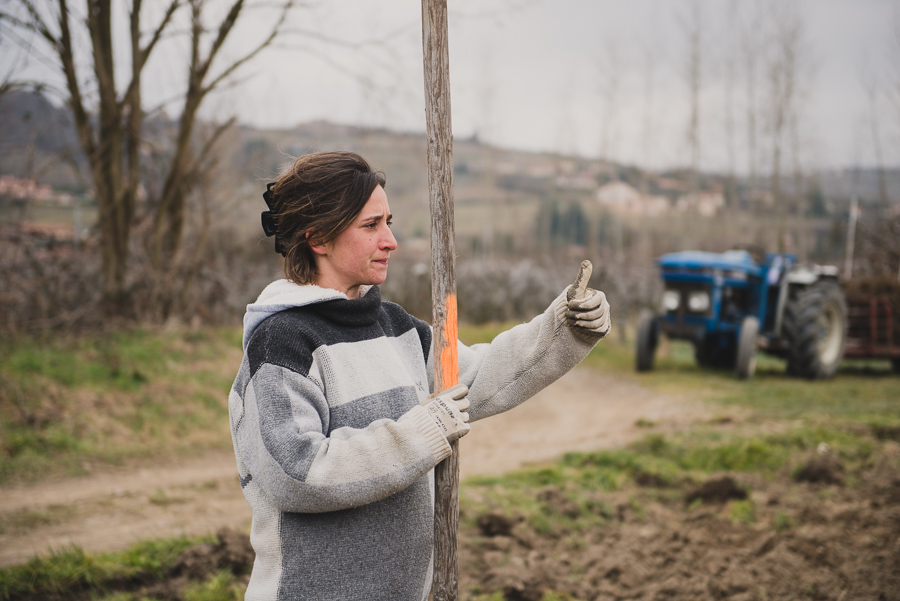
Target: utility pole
(443,284)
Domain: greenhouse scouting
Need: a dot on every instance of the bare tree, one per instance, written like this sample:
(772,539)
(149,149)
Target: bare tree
(731,58)
(784,70)
(692,24)
(751,53)
(872,89)
(484,131)
(567,143)
(609,68)
(650,58)
(7,84)
(109,115)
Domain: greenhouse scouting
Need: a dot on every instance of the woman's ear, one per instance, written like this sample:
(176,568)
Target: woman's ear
(319,249)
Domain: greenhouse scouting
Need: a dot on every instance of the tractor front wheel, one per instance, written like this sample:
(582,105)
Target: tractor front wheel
(647,339)
(815,327)
(745,364)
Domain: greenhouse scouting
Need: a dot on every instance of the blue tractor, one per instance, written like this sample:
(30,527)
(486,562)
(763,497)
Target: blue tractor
(730,305)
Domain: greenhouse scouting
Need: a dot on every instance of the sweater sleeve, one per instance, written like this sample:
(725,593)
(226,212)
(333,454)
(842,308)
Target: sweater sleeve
(519,362)
(280,441)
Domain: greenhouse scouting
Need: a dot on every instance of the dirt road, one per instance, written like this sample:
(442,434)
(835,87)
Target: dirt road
(108,511)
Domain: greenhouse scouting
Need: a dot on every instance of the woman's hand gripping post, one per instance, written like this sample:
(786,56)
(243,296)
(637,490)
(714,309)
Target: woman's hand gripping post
(448,410)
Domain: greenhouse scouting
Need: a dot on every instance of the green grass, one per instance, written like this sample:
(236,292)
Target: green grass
(220,587)
(865,392)
(471,334)
(742,512)
(782,522)
(24,520)
(568,496)
(68,404)
(72,569)
(123,361)
(861,392)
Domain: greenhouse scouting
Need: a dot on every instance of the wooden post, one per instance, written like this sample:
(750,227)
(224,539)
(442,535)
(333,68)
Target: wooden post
(443,282)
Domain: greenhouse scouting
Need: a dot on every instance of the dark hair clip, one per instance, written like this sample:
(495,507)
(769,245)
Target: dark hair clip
(269,197)
(269,223)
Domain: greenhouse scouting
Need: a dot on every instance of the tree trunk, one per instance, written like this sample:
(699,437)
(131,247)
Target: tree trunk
(106,161)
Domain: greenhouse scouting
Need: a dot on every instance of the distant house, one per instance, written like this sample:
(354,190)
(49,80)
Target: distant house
(544,169)
(762,198)
(58,232)
(619,197)
(22,190)
(580,181)
(670,184)
(705,203)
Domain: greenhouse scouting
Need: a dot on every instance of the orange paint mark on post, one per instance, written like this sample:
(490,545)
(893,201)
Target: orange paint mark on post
(450,354)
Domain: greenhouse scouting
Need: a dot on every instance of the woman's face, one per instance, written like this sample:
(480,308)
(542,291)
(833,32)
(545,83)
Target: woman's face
(359,255)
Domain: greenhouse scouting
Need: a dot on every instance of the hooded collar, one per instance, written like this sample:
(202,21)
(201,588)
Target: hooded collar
(282,295)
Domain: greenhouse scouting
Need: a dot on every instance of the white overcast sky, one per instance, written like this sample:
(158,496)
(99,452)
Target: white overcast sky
(529,74)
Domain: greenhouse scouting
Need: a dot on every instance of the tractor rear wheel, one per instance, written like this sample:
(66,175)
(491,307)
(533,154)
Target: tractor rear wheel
(745,364)
(647,339)
(815,327)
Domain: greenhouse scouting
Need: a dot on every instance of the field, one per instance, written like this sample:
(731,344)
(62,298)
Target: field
(774,489)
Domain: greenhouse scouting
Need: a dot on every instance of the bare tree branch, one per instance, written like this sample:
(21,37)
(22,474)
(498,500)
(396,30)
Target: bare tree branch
(693,26)
(143,54)
(67,64)
(609,70)
(259,48)
(206,151)
(37,23)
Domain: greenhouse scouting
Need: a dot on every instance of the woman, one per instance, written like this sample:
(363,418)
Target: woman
(334,430)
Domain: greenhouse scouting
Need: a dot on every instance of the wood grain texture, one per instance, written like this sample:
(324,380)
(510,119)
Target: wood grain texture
(443,282)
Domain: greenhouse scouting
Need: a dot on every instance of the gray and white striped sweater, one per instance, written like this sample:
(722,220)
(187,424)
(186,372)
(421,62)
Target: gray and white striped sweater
(334,452)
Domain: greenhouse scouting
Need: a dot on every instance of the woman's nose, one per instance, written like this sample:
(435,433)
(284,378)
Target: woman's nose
(388,242)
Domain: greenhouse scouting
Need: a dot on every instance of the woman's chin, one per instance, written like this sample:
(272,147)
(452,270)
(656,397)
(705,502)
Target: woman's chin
(378,279)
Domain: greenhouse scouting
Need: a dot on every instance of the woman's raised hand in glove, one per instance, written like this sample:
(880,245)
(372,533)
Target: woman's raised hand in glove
(588,311)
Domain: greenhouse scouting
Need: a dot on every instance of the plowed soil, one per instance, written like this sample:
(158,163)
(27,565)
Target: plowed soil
(817,540)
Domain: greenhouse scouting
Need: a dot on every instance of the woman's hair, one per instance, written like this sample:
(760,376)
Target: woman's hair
(316,199)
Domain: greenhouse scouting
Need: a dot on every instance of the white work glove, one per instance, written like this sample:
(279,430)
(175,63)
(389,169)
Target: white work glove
(448,410)
(588,311)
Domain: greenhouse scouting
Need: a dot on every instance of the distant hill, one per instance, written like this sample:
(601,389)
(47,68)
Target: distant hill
(505,199)
(36,138)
